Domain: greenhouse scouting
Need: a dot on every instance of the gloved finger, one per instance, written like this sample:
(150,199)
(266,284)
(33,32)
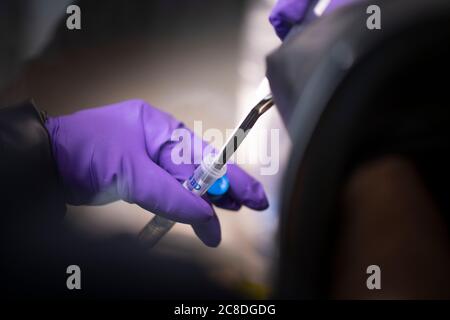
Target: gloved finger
(286,13)
(154,189)
(225,201)
(246,190)
(209,232)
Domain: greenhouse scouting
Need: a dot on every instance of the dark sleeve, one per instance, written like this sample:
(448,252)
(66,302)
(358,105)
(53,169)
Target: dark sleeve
(30,191)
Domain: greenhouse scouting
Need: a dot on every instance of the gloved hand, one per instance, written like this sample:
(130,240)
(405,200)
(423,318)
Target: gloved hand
(123,151)
(287,13)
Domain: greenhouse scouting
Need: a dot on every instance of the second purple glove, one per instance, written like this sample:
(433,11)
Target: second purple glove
(287,13)
(123,151)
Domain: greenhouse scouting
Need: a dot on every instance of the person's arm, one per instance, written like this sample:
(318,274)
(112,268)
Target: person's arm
(389,218)
(30,190)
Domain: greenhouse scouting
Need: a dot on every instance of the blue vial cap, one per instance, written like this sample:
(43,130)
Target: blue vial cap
(220,187)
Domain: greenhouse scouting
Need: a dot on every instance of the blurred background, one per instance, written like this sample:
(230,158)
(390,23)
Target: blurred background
(198,60)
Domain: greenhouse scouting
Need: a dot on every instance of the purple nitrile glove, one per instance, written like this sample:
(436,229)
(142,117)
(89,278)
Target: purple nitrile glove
(287,13)
(123,151)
